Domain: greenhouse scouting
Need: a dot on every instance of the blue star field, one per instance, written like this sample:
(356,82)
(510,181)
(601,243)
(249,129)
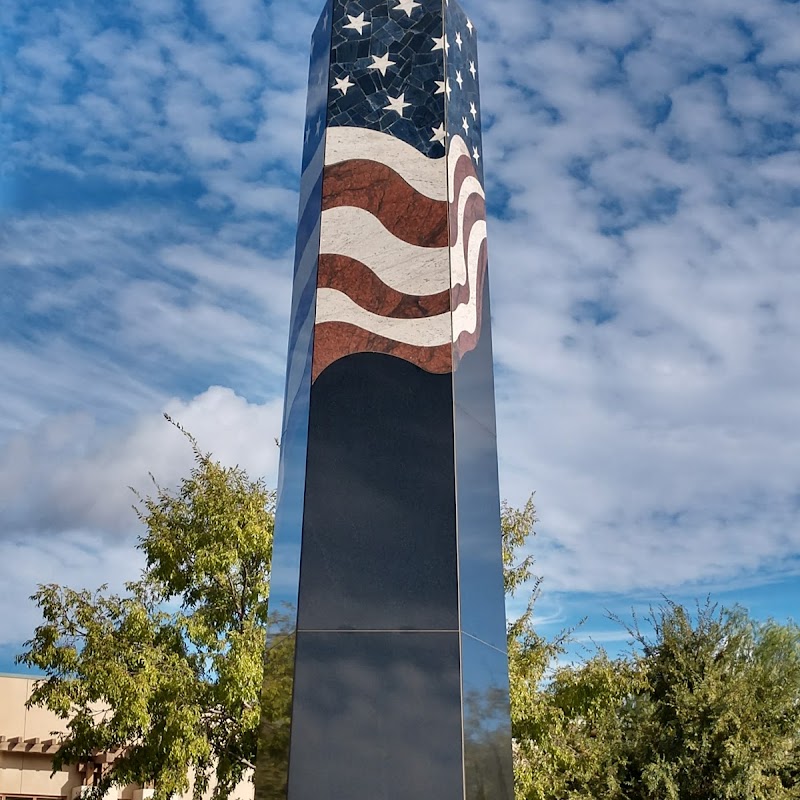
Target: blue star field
(408,41)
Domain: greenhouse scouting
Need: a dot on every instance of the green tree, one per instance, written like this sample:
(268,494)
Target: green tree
(540,759)
(169,673)
(706,706)
(720,714)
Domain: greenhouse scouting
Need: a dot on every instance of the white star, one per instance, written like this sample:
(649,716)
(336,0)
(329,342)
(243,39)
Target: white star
(382,63)
(440,87)
(357,23)
(473,110)
(405,5)
(459,79)
(397,104)
(472,69)
(465,125)
(470,25)
(325,22)
(438,44)
(319,124)
(438,134)
(308,133)
(343,84)
(476,155)
(447,88)
(458,39)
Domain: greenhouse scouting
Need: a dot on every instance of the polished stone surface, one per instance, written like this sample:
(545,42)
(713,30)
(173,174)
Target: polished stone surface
(488,767)
(294,431)
(284,582)
(379,537)
(479,546)
(377,715)
(464,104)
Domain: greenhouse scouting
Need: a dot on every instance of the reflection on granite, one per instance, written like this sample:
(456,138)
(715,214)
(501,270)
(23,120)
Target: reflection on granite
(488,767)
(379,716)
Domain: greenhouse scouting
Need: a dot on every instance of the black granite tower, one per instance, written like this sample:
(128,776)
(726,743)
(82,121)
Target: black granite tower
(387,575)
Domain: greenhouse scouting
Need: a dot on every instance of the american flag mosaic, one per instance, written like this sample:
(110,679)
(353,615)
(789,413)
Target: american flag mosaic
(402,247)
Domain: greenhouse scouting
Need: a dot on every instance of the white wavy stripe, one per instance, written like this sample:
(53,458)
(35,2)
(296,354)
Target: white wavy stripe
(355,233)
(464,268)
(469,187)
(427,175)
(335,306)
(458,147)
(309,178)
(465,316)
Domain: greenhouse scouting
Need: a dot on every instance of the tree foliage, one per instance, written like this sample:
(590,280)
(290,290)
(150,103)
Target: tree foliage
(170,672)
(707,705)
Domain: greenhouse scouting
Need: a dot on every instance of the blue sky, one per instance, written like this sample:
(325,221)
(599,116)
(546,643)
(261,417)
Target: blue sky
(643,175)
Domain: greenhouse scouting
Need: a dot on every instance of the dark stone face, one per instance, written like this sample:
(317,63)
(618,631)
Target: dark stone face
(379,538)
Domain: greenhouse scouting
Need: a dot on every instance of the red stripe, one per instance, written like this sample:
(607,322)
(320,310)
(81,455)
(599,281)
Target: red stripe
(335,340)
(418,220)
(364,287)
(474,210)
(376,188)
(464,169)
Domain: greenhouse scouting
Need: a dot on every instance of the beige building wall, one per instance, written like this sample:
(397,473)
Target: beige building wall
(24,772)
(28,739)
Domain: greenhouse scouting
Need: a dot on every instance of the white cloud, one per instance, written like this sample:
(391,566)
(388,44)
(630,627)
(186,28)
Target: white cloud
(658,440)
(76,559)
(65,505)
(70,473)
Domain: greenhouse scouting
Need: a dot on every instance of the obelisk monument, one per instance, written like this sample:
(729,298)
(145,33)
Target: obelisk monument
(387,571)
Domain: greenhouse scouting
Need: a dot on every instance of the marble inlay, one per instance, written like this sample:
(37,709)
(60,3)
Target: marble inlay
(403,254)
(384,272)
(468,247)
(422,173)
(378,189)
(335,340)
